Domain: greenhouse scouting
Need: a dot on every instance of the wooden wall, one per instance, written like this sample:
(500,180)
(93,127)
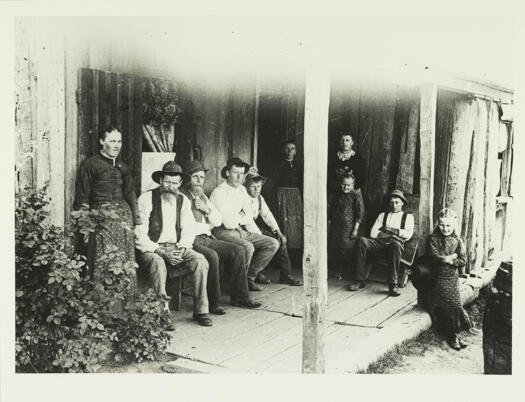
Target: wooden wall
(383,119)
(52,137)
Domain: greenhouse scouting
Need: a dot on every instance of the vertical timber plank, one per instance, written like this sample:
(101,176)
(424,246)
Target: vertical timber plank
(427,134)
(405,176)
(315,252)
(463,128)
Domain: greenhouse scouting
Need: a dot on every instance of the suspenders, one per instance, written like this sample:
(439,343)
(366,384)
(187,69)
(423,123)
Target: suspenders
(403,219)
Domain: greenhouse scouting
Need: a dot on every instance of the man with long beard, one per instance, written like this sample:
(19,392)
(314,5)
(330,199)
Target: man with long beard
(166,236)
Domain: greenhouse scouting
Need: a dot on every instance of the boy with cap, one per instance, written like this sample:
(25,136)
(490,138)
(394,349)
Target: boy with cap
(388,235)
(265,223)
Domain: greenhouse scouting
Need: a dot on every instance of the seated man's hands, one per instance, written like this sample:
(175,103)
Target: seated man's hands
(201,205)
(281,237)
(172,255)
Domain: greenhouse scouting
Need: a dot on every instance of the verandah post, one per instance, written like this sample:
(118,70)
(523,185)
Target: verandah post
(427,135)
(317,99)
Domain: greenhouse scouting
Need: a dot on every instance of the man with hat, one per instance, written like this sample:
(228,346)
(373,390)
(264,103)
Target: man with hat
(166,236)
(388,235)
(265,223)
(207,217)
(234,205)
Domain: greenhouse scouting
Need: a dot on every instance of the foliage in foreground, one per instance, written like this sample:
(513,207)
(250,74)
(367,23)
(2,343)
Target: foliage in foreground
(67,320)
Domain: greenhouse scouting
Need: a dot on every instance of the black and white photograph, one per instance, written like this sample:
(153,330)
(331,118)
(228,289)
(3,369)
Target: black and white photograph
(262,194)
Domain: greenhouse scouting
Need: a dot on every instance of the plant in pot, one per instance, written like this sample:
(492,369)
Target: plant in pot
(161,112)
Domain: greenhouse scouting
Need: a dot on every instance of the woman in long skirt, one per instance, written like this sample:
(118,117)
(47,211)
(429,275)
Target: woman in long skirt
(104,183)
(447,250)
(288,179)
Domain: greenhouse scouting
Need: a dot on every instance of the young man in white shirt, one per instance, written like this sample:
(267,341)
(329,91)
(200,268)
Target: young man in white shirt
(265,223)
(387,237)
(232,201)
(232,254)
(166,236)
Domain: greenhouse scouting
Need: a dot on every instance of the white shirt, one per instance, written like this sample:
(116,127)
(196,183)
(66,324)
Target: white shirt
(230,201)
(393,220)
(210,221)
(169,219)
(265,213)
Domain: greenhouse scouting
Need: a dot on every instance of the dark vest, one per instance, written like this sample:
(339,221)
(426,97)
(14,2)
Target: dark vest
(155,217)
(259,221)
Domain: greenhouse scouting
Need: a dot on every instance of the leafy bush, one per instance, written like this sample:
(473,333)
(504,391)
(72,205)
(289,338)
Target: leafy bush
(66,319)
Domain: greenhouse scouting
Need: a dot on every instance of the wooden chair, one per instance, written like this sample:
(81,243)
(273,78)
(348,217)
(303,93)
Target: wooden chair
(407,259)
(176,284)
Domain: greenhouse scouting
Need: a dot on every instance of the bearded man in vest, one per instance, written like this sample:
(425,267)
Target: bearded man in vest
(166,237)
(265,223)
(214,250)
(391,230)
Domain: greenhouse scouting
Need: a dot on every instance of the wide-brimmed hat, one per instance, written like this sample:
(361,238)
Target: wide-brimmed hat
(398,194)
(234,161)
(253,176)
(190,167)
(170,168)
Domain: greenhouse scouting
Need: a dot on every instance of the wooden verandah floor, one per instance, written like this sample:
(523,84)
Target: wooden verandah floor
(360,327)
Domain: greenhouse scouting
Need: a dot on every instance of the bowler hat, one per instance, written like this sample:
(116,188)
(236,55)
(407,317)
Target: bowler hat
(253,176)
(398,194)
(193,166)
(170,168)
(234,161)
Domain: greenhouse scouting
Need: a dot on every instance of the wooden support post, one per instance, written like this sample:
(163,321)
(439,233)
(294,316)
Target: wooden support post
(317,99)
(427,135)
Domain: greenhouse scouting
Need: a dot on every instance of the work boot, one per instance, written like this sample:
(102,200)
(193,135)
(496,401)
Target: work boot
(261,278)
(356,286)
(166,322)
(248,303)
(392,290)
(289,280)
(254,287)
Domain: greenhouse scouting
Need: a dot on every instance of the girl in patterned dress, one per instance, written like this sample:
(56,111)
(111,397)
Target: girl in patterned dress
(447,250)
(345,215)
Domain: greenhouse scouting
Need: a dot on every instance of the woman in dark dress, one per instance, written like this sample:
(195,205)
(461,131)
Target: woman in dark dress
(447,250)
(288,181)
(345,161)
(345,213)
(104,183)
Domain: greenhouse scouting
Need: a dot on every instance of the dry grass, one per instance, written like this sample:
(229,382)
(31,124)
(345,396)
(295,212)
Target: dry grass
(427,341)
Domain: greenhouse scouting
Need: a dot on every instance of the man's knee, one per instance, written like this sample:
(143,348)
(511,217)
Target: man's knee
(361,242)
(273,244)
(153,262)
(249,248)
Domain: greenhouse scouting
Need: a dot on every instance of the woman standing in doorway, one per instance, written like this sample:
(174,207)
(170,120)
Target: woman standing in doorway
(288,180)
(104,183)
(345,161)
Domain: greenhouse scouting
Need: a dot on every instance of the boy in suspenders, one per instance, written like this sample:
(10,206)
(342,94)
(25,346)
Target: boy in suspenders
(391,230)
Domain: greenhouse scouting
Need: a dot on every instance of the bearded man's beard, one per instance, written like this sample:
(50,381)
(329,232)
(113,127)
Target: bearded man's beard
(169,196)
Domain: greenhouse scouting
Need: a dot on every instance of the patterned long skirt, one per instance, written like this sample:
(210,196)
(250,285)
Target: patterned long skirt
(113,243)
(290,215)
(451,317)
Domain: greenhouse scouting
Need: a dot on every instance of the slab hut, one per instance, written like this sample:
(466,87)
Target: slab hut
(444,141)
